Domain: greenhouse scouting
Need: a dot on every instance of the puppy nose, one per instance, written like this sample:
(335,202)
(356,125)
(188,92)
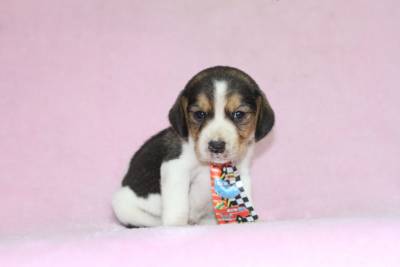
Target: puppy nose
(216,146)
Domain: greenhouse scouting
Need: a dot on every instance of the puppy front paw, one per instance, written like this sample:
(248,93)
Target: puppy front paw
(177,220)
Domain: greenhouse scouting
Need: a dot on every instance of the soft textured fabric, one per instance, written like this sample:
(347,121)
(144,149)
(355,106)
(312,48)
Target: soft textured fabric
(337,242)
(84,83)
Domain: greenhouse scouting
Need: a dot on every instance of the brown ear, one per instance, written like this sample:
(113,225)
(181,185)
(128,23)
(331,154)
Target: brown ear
(177,117)
(265,119)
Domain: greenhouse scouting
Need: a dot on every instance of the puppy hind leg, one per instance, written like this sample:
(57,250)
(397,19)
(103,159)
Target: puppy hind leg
(208,219)
(133,211)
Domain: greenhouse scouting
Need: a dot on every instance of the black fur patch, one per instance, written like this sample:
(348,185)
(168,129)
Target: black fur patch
(143,175)
(130,226)
(177,118)
(266,119)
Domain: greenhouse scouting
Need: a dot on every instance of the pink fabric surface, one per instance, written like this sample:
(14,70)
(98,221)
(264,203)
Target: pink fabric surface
(84,83)
(364,242)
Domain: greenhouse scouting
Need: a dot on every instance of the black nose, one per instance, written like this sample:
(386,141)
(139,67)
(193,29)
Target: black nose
(216,146)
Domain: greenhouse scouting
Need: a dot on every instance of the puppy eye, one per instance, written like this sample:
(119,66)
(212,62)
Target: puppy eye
(200,115)
(238,115)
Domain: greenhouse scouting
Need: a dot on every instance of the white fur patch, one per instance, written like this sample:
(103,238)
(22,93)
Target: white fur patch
(137,211)
(175,184)
(220,88)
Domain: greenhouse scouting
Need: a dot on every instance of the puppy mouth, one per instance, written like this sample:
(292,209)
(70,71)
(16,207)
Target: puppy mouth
(220,157)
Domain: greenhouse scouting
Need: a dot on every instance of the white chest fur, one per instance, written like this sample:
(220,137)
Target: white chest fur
(185,187)
(200,194)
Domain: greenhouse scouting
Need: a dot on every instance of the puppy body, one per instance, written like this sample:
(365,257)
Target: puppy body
(218,117)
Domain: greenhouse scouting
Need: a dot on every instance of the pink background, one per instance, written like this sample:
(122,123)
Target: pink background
(84,83)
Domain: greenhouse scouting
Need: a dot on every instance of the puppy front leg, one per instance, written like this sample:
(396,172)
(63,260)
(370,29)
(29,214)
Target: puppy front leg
(175,182)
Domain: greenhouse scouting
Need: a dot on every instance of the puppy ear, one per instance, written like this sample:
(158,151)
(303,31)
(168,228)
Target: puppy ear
(265,119)
(177,117)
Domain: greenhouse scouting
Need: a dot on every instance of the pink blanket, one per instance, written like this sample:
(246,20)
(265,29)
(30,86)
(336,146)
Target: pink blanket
(84,83)
(330,242)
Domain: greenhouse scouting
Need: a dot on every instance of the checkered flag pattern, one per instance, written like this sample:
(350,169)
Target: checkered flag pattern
(230,201)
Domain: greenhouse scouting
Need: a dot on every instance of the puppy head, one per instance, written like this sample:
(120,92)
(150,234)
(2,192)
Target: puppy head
(222,110)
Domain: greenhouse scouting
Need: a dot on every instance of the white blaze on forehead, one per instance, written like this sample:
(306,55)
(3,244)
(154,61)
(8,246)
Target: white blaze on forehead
(220,128)
(219,99)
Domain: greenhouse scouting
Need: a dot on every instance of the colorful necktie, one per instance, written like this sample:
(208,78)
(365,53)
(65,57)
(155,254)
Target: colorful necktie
(230,202)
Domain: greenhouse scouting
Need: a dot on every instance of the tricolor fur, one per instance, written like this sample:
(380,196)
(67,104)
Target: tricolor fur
(218,117)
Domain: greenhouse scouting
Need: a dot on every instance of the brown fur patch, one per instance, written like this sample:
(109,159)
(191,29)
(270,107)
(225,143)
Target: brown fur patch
(247,126)
(194,131)
(203,103)
(233,102)
(247,131)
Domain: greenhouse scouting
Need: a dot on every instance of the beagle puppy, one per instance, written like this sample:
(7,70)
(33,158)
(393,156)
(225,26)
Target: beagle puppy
(218,117)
